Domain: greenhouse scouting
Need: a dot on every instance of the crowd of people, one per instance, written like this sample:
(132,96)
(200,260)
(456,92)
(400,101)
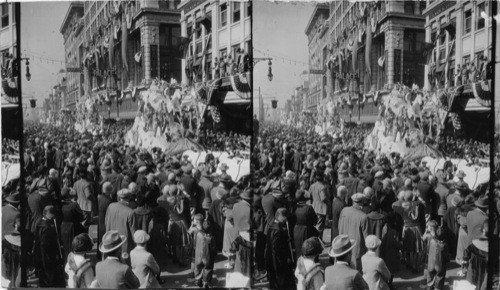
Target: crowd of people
(107,215)
(384,213)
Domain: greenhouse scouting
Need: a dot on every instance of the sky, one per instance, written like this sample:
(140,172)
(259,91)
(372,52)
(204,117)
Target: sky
(42,42)
(278,32)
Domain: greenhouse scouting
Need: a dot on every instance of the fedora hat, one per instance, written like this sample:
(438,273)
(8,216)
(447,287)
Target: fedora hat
(13,198)
(247,194)
(14,238)
(482,202)
(111,241)
(341,245)
(481,243)
(225,178)
(461,174)
(224,166)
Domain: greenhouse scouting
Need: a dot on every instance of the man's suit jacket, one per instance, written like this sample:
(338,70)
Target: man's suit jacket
(375,271)
(144,267)
(354,223)
(241,216)
(342,277)
(270,205)
(9,215)
(120,217)
(103,203)
(475,221)
(112,274)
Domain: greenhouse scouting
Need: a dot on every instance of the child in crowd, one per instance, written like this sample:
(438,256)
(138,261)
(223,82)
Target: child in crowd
(204,257)
(375,271)
(143,263)
(193,232)
(437,256)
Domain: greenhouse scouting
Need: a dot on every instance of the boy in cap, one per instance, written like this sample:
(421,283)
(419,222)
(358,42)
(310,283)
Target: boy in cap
(375,271)
(205,253)
(143,263)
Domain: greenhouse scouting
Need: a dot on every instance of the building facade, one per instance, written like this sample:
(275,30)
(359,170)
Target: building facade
(389,53)
(316,31)
(7,30)
(213,29)
(120,45)
(217,58)
(460,35)
(71,29)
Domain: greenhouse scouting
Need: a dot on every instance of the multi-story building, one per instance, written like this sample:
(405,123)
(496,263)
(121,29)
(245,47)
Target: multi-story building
(396,42)
(71,29)
(215,30)
(460,34)
(316,31)
(7,30)
(106,64)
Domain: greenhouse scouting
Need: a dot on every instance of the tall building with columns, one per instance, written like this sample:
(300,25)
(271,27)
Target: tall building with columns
(152,33)
(390,51)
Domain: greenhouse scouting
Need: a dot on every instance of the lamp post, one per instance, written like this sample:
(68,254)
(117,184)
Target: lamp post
(270,70)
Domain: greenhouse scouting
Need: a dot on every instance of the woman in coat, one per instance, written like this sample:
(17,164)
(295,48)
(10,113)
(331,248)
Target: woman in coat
(242,248)
(177,229)
(306,220)
(72,218)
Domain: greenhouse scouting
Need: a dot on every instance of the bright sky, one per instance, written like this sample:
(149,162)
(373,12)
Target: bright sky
(42,42)
(278,32)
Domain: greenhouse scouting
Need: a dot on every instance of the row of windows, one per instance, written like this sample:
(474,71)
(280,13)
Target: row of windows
(4,7)
(223,13)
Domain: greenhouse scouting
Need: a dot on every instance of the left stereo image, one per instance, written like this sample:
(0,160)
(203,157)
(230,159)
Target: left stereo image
(126,135)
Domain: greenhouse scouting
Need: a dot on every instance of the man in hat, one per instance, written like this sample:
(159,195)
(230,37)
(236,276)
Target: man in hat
(207,185)
(461,183)
(110,174)
(320,201)
(309,272)
(103,201)
(353,222)
(112,273)
(10,213)
(272,202)
(241,211)
(120,217)
(47,251)
(340,275)
(476,218)
(279,259)
(143,263)
(442,191)
(37,201)
(427,195)
(11,255)
(352,183)
(223,188)
(85,195)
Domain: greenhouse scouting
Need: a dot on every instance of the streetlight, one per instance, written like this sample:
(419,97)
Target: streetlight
(28,75)
(270,72)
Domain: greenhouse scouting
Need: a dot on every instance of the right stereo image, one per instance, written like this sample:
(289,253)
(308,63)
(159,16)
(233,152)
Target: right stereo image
(376,132)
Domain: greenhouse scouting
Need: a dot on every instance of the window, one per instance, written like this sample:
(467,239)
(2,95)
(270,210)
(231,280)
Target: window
(248,9)
(409,7)
(466,60)
(236,11)
(480,20)
(468,21)
(5,15)
(234,49)
(222,53)
(223,15)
